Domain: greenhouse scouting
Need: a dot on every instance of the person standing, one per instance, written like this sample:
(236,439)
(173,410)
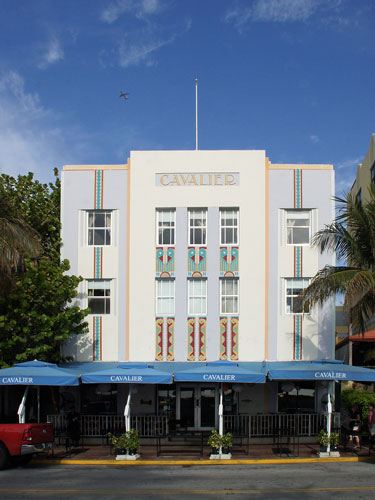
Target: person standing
(371,424)
(74,429)
(354,425)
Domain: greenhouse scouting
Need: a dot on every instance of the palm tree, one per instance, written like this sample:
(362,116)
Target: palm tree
(17,240)
(352,237)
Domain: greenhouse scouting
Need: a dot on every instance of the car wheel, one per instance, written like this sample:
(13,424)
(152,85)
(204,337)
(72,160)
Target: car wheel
(3,456)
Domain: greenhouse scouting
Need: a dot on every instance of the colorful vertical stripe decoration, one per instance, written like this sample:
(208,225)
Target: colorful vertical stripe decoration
(234,338)
(159,323)
(191,339)
(297,319)
(97,340)
(202,323)
(223,338)
(98,204)
(170,339)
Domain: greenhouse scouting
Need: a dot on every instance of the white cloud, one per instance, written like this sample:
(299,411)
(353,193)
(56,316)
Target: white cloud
(133,54)
(277,11)
(314,138)
(138,8)
(349,163)
(53,54)
(345,174)
(31,136)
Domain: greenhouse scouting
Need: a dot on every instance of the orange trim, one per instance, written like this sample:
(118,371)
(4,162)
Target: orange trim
(266,259)
(95,167)
(127,344)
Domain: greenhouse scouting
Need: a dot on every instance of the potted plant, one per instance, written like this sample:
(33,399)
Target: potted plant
(120,443)
(133,441)
(334,440)
(226,442)
(214,441)
(323,440)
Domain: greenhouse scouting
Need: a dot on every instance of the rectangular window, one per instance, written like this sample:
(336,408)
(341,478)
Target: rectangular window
(293,287)
(99,228)
(165,296)
(197,296)
(358,197)
(166,223)
(298,227)
(197,226)
(99,296)
(229,296)
(229,226)
(372,170)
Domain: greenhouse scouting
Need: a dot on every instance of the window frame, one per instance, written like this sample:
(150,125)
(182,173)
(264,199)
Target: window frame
(158,212)
(372,173)
(287,216)
(194,228)
(201,297)
(227,296)
(159,298)
(100,297)
(288,280)
(234,227)
(103,228)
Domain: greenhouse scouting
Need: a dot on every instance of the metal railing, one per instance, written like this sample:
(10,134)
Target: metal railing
(301,424)
(100,425)
(264,425)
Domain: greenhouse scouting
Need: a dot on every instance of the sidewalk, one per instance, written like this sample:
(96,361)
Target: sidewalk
(258,454)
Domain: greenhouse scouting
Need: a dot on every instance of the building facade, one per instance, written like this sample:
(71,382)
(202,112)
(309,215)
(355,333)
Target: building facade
(196,256)
(356,348)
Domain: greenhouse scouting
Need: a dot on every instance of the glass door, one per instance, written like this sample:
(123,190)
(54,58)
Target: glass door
(197,407)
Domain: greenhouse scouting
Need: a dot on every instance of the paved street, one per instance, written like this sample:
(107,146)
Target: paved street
(307,481)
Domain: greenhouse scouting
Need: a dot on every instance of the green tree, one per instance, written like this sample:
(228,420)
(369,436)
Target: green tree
(17,239)
(352,237)
(36,314)
(37,205)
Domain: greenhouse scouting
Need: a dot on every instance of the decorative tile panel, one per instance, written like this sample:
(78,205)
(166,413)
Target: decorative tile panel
(202,322)
(191,339)
(159,330)
(297,337)
(229,261)
(98,200)
(197,262)
(170,339)
(234,338)
(165,261)
(98,262)
(223,338)
(97,338)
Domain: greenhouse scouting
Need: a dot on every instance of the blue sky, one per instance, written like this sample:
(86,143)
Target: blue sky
(293,77)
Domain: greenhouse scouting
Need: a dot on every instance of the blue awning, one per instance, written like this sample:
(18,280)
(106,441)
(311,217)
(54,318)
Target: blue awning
(318,370)
(222,371)
(128,373)
(37,373)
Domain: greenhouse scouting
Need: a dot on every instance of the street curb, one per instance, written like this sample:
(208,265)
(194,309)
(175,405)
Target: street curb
(266,461)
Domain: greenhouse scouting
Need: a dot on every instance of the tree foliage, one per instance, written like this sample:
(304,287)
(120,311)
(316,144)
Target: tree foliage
(36,314)
(352,237)
(36,317)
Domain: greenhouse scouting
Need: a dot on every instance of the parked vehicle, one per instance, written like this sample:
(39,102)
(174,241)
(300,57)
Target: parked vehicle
(18,442)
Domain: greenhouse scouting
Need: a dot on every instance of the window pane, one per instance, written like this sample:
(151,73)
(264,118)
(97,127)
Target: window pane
(98,237)
(301,235)
(91,220)
(96,306)
(107,237)
(91,237)
(99,220)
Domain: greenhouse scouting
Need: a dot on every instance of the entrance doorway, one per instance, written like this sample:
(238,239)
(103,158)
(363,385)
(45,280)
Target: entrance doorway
(197,406)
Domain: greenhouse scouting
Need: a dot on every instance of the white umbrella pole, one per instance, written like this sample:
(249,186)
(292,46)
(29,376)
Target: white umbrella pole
(329,415)
(127,410)
(22,408)
(221,415)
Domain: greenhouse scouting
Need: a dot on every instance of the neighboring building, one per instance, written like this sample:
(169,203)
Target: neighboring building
(359,349)
(194,256)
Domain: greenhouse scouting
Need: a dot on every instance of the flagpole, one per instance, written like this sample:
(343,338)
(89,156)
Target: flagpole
(196,114)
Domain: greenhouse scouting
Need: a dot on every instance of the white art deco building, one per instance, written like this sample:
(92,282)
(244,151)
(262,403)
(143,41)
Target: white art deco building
(196,256)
